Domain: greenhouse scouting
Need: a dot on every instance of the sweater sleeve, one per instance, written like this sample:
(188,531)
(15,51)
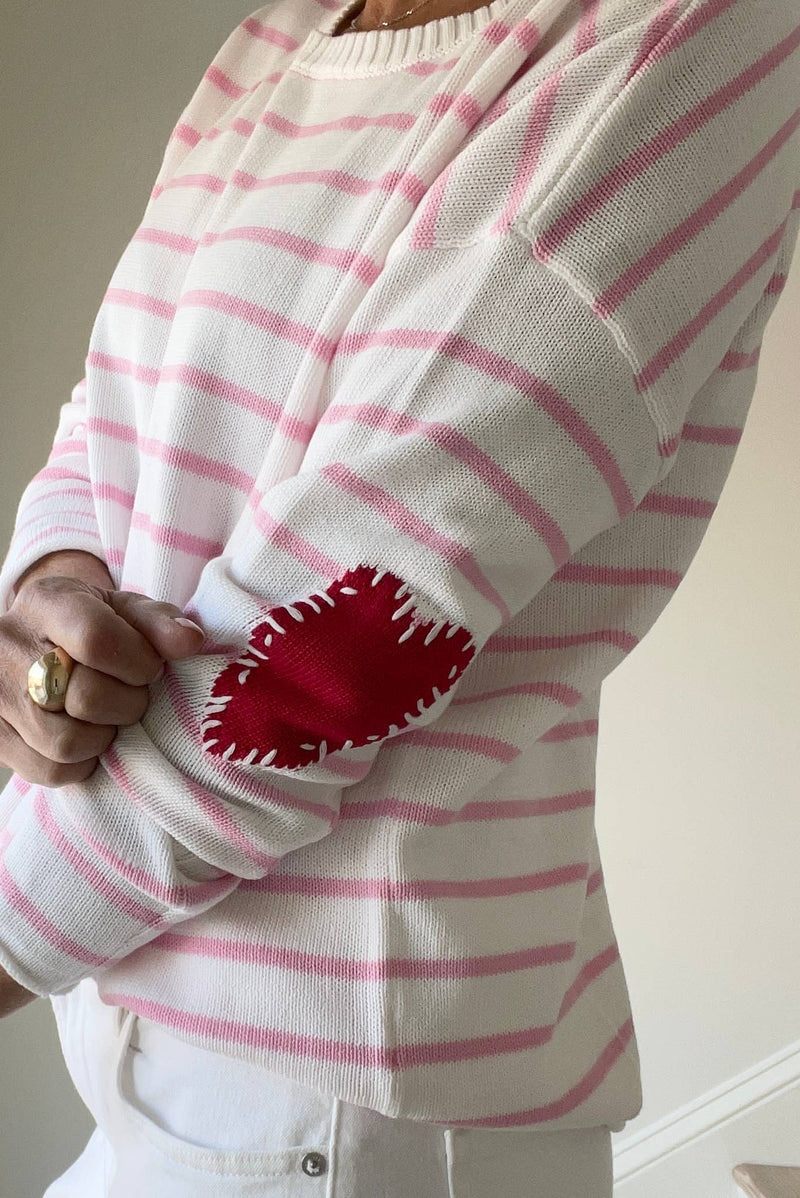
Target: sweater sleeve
(56,510)
(481,425)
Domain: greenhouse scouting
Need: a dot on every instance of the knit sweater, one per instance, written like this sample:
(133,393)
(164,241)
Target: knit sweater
(416,386)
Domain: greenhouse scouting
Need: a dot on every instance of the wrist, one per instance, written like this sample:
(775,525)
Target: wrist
(73,563)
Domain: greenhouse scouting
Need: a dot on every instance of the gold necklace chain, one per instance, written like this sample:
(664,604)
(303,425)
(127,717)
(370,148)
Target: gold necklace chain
(394,20)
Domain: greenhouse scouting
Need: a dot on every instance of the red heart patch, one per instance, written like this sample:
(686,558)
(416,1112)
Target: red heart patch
(355,664)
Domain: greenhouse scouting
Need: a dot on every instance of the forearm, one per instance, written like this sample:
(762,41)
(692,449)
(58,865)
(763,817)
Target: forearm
(74,563)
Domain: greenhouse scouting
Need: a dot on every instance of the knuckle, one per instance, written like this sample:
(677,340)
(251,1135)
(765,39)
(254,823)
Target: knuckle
(95,643)
(64,747)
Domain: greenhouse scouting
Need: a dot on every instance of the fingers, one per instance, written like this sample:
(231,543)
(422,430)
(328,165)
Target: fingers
(78,617)
(100,699)
(35,767)
(54,734)
(158,623)
(118,641)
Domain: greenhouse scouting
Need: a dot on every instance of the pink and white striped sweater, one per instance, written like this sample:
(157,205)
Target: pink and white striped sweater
(416,386)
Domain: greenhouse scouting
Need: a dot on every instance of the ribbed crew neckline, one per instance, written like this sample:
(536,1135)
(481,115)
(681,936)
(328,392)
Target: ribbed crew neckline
(379,51)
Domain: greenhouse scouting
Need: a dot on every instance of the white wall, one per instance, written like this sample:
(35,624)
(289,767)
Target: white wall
(700,845)
(90,94)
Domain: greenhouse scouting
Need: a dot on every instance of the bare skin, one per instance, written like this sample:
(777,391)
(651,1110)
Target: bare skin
(119,642)
(370,14)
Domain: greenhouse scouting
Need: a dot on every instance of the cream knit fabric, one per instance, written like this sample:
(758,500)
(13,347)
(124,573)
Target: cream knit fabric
(417,386)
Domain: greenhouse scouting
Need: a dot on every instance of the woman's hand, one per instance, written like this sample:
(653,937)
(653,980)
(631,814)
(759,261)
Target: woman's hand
(118,641)
(12,995)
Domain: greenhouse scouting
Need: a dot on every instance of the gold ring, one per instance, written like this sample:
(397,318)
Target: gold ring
(48,678)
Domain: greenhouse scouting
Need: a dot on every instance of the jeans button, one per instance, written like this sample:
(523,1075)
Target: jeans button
(313,1164)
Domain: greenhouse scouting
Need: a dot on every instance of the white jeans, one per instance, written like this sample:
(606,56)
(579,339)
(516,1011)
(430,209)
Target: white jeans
(175,1121)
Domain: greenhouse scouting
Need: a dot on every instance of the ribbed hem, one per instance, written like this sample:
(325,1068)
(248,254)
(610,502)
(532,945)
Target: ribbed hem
(379,51)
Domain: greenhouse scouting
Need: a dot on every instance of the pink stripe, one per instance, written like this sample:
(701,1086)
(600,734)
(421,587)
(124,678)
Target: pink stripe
(736,360)
(198,895)
(618,576)
(559,692)
(44,926)
(574,1098)
(474,743)
(534,139)
(60,497)
(399,121)
(208,383)
(502,642)
(70,446)
(198,464)
(117,365)
(185,133)
(174,538)
(411,525)
(594,968)
(239,124)
(203,806)
(268,320)
(186,897)
(353,970)
(566,732)
(594,882)
(173,241)
(365,268)
(778,281)
(461,105)
(675,239)
(655,36)
(56,530)
(102,886)
(151,304)
(108,493)
(394,1059)
(333,1051)
(424,235)
(416,813)
(516,377)
(538,123)
(416,889)
(228,391)
(706,434)
(424,69)
(59,472)
(586,32)
(205,182)
(224,83)
(649,153)
(677,345)
(268,33)
(686,507)
(407,184)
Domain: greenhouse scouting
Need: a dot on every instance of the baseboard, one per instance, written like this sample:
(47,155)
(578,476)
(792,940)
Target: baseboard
(769,1080)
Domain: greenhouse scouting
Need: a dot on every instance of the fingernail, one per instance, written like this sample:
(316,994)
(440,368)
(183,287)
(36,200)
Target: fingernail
(188,624)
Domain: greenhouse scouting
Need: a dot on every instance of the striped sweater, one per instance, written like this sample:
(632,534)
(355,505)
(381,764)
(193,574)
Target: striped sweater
(416,386)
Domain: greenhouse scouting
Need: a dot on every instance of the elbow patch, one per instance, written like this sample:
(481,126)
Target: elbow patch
(339,669)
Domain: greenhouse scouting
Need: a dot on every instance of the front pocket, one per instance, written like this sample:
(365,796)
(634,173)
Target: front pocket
(209,1113)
